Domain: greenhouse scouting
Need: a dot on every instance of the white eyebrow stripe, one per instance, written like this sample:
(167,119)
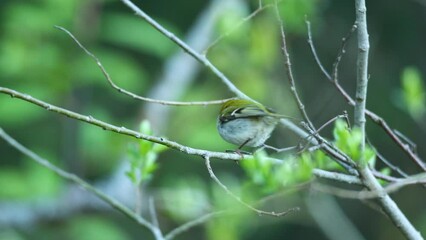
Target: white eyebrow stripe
(236,110)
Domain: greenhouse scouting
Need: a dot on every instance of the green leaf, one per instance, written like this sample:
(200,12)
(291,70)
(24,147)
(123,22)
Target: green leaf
(271,176)
(324,162)
(93,227)
(385,171)
(11,234)
(143,158)
(30,181)
(349,141)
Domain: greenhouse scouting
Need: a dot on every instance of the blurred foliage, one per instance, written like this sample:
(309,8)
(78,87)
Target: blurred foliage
(293,13)
(94,227)
(29,182)
(153,41)
(10,235)
(185,199)
(413,96)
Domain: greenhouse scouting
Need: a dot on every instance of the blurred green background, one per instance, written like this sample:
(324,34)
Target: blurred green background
(40,60)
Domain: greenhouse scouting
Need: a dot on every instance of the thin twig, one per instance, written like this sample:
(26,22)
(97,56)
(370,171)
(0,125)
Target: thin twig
(387,162)
(186,226)
(278,150)
(390,165)
(385,177)
(405,147)
(289,69)
(313,50)
(341,158)
(224,187)
(391,188)
(407,140)
(154,219)
(74,178)
(344,115)
(350,179)
(138,202)
(335,176)
(260,8)
(340,53)
(128,93)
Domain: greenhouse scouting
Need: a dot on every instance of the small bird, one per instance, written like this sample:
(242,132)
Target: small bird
(246,123)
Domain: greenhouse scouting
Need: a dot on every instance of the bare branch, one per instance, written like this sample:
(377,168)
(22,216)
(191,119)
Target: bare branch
(340,52)
(289,69)
(200,58)
(350,179)
(389,164)
(389,206)
(391,188)
(373,116)
(339,177)
(128,93)
(405,147)
(314,51)
(157,231)
(344,116)
(260,212)
(407,140)
(362,69)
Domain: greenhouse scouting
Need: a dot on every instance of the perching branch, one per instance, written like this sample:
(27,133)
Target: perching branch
(122,130)
(203,60)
